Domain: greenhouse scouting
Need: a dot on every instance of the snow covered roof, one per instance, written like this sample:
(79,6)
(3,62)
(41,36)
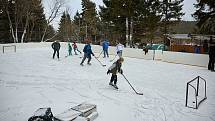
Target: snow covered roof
(179,36)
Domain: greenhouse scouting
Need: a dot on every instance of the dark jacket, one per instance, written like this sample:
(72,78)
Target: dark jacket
(87,49)
(212,47)
(115,68)
(69,47)
(56,46)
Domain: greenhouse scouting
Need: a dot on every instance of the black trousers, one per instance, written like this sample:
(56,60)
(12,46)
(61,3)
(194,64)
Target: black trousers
(211,62)
(86,56)
(113,79)
(55,53)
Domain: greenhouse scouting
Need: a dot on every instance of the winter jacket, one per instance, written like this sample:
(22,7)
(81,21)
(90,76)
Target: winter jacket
(115,68)
(212,48)
(105,45)
(87,49)
(69,47)
(56,46)
(74,45)
(119,47)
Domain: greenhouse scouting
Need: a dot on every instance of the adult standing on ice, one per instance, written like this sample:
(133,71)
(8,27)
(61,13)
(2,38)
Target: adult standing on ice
(105,46)
(119,48)
(56,48)
(211,54)
(114,69)
(87,52)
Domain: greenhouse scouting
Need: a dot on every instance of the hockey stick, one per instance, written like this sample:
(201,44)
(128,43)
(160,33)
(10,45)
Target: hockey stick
(132,86)
(99,61)
(113,58)
(100,54)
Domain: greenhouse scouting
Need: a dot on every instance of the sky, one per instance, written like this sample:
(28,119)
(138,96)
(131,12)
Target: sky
(75,5)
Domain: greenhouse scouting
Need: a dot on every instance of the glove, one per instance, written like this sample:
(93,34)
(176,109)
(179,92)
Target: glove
(121,72)
(108,72)
(93,54)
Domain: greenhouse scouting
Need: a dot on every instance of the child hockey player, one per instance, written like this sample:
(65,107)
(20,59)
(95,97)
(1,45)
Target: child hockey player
(87,53)
(69,49)
(75,47)
(105,46)
(114,69)
(119,48)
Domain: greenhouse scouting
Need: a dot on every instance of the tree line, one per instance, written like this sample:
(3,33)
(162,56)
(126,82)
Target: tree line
(127,21)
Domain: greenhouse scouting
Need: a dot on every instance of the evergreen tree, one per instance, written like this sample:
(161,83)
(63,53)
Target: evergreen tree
(205,15)
(113,20)
(7,9)
(143,17)
(171,11)
(65,25)
(89,19)
(147,20)
(37,22)
(4,25)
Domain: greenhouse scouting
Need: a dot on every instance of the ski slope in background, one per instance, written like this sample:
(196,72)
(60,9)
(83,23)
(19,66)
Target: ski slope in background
(31,79)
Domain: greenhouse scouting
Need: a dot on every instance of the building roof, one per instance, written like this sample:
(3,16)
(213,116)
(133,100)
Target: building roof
(179,36)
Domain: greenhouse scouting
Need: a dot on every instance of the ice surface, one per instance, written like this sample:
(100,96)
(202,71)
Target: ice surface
(31,79)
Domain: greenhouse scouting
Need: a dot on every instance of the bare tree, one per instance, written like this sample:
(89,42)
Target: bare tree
(27,12)
(55,11)
(17,10)
(6,5)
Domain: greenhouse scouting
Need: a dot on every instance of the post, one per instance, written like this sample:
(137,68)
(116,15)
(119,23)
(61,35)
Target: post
(127,33)
(15,48)
(153,54)
(186,95)
(197,93)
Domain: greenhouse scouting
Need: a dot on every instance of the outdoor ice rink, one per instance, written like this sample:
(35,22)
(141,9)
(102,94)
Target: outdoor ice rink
(31,79)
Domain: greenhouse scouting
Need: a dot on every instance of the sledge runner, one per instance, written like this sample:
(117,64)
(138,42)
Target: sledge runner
(87,53)
(56,47)
(75,47)
(114,69)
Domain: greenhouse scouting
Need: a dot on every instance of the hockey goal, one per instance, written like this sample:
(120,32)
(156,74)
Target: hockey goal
(195,92)
(9,47)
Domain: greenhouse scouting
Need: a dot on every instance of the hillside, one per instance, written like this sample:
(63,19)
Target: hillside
(184,27)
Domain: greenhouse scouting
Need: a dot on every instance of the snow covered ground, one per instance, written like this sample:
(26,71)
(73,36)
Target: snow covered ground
(30,79)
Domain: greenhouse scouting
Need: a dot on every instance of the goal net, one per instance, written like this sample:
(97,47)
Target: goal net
(9,48)
(195,92)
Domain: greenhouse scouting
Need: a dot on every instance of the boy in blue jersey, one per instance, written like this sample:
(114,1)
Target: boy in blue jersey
(87,53)
(105,46)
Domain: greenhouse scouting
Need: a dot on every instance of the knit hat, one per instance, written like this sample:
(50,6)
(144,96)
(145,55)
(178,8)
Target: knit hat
(121,59)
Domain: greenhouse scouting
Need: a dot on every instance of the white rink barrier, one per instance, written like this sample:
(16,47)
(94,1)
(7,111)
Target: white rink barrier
(166,56)
(186,58)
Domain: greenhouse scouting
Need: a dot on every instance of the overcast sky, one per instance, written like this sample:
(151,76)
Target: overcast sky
(75,5)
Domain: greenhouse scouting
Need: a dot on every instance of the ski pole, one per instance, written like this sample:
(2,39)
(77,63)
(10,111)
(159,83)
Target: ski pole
(131,85)
(100,54)
(113,58)
(99,61)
